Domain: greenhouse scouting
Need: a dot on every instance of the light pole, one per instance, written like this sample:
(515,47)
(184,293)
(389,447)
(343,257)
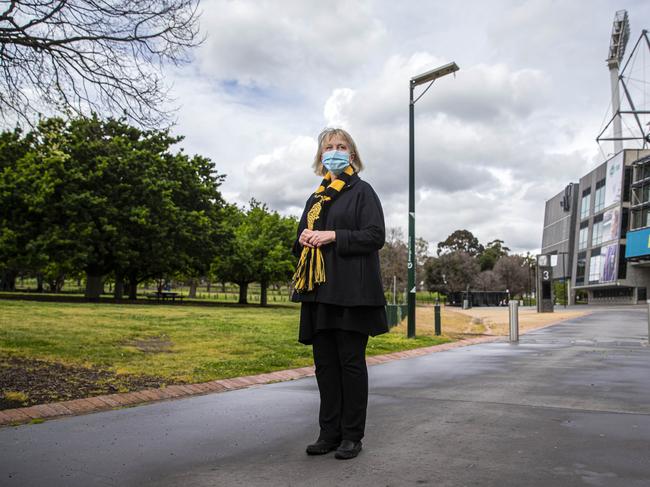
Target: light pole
(430,77)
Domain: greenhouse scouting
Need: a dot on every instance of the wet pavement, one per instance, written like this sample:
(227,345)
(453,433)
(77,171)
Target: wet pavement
(567,406)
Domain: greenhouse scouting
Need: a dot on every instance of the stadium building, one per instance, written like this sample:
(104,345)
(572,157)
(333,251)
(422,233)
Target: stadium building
(597,230)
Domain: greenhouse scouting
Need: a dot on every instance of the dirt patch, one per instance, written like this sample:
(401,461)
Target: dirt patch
(151,344)
(496,319)
(27,382)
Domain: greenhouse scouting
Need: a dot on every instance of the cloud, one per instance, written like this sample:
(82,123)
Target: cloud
(284,178)
(287,46)
(473,165)
(463,128)
(514,126)
(336,107)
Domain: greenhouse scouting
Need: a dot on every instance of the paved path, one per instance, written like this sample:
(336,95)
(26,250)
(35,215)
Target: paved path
(568,406)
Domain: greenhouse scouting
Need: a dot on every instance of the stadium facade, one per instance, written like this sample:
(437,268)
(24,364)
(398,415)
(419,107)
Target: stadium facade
(597,231)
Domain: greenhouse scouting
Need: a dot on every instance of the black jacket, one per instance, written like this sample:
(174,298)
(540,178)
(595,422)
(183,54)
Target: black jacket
(352,271)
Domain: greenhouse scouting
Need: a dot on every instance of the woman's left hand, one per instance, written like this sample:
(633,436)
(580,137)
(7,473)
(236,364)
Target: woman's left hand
(322,237)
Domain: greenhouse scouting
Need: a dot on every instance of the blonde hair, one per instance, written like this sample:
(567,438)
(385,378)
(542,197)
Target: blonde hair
(324,137)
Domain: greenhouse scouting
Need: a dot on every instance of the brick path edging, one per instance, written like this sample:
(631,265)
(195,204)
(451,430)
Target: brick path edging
(115,401)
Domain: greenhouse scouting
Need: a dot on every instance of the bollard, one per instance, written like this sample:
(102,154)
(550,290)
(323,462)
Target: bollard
(436,313)
(514,320)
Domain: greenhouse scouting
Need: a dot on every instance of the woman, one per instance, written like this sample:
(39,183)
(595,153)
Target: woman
(338,282)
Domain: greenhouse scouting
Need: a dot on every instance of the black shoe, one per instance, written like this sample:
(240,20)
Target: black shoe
(321,447)
(348,449)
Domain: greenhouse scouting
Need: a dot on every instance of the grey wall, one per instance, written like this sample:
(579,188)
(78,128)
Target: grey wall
(558,235)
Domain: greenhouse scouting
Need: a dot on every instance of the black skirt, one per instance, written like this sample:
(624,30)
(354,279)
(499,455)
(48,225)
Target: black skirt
(369,320)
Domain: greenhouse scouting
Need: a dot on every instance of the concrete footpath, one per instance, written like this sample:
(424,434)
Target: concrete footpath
(567,406)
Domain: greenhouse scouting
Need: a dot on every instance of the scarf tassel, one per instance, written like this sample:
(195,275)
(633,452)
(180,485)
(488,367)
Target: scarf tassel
(310,270)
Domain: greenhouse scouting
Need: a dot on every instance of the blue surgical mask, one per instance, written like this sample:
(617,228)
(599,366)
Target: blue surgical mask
(335,161)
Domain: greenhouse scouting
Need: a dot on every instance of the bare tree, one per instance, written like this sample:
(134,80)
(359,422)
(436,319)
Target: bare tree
(451,272)
(488,281)
(393,257)
(513,273)
(84,56)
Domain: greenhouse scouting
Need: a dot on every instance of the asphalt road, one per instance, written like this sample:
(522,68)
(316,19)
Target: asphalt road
(567,406)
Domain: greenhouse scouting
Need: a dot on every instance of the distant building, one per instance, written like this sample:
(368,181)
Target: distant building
(599,231)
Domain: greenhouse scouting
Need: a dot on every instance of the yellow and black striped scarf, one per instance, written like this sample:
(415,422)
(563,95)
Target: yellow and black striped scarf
(311,266)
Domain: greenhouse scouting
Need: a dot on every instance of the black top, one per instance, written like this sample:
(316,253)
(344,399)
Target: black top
(352,271)
(316,317)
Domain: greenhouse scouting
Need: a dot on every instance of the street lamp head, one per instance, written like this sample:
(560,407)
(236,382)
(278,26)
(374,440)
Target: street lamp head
(434,74)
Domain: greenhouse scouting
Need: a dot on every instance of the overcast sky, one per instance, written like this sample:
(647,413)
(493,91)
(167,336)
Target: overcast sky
(516,124)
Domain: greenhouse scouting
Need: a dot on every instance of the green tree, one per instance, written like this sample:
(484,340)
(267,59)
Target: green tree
(261,249)
(460,241)
(272,246)
(434,275)
(106,198)
(235,265)
(492,252)
(16,204)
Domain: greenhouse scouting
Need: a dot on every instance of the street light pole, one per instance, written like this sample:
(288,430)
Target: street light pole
(410,332)
(430,77)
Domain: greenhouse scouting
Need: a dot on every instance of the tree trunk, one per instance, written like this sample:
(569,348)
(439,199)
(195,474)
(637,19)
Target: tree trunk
(94,286)
(39,283)
(56,284)
(133,288)
(8,280)
(193,285)
(118,291)
(208,287)
(223,286)
(243,292)
(263,287)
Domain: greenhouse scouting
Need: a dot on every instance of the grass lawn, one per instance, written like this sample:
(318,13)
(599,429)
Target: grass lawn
(185,343)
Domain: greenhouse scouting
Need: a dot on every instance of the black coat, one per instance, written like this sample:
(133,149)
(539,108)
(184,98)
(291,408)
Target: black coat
(352,271)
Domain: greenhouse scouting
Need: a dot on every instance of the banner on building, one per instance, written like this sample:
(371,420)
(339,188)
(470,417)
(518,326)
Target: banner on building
(638,243)
(614,180)
(612,224)
(608,260)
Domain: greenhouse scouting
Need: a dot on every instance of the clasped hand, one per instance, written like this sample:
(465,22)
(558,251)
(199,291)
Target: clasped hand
(316,238)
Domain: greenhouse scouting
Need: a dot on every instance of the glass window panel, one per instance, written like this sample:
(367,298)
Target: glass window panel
(636,219)
(582,239)
(584,206)
(594,269)
(599,199)
(580,274)
(597,233)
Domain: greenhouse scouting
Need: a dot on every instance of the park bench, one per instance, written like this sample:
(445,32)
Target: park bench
(164,296)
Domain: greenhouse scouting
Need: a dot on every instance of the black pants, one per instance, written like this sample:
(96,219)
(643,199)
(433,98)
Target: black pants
(342,376)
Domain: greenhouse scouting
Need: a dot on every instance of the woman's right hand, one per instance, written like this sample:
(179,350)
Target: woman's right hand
(304,238)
